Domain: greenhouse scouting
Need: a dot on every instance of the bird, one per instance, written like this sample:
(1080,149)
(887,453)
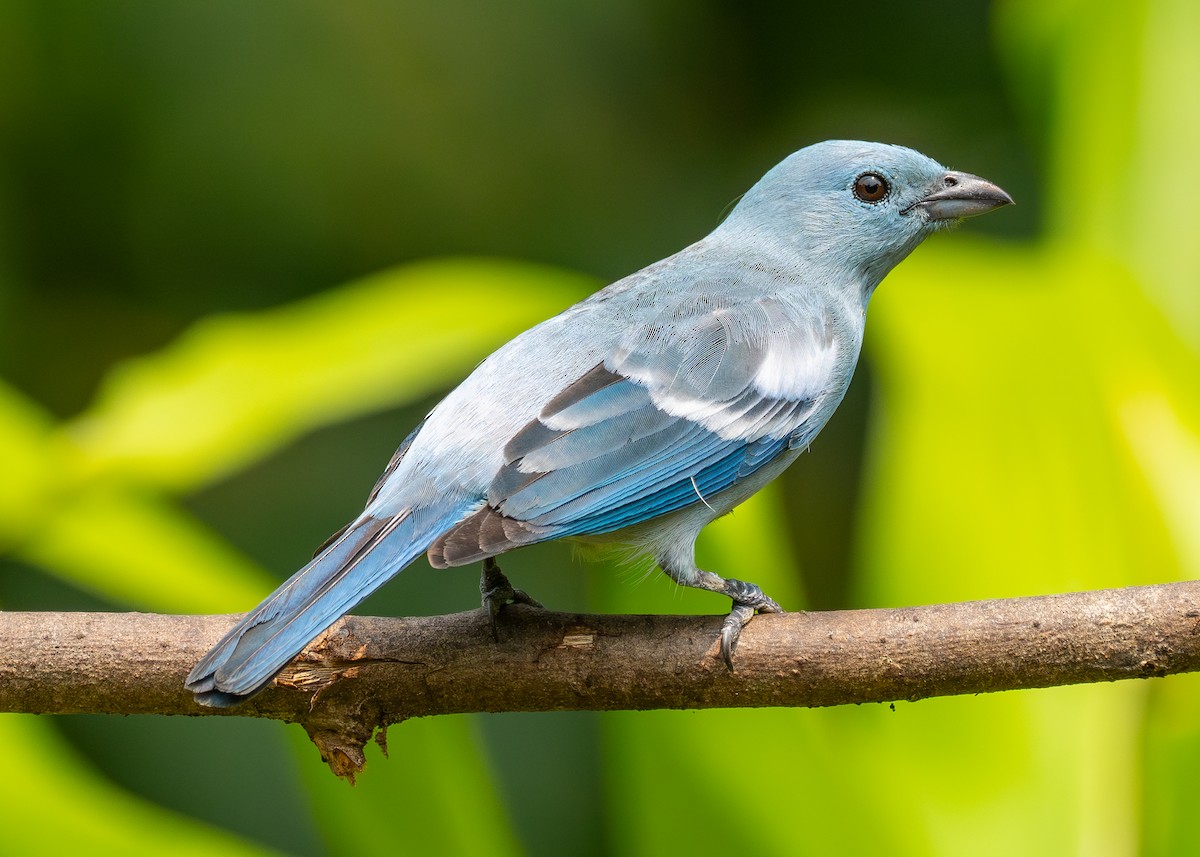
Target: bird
(638,415)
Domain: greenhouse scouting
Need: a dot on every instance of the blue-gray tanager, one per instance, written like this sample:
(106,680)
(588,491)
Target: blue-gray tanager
(641,413)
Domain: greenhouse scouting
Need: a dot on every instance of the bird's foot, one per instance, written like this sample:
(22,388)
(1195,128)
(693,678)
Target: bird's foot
(497,591)
(748,599)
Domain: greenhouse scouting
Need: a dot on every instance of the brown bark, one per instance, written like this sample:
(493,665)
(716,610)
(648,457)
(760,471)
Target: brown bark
(367,673)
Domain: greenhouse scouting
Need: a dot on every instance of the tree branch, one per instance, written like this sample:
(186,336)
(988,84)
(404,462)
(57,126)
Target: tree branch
(367,673)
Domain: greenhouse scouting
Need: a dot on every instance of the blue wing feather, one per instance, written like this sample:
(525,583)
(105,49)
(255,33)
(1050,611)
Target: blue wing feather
(617,467)
(611,435)
(660,460)
(655,499)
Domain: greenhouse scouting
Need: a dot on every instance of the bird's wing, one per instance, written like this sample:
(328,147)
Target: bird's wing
(690,402)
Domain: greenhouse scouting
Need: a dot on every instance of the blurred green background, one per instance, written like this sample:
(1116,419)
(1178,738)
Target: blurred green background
(245,246)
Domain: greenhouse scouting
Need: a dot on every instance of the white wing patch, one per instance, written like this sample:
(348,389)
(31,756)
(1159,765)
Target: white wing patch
(743,372)
(796,369)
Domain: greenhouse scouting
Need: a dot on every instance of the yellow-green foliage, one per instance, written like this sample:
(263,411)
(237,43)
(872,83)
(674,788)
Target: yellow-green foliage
(1037,430)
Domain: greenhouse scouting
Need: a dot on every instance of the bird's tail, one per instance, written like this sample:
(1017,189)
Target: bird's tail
(369,553)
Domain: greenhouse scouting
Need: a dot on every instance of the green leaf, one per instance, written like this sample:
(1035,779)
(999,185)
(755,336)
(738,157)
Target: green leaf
(138,549)
(28,463)
(1119,79)
(234,388)
(56,803)
(1003,465)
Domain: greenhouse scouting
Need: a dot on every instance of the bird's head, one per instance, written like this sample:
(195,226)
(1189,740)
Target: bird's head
(857,209)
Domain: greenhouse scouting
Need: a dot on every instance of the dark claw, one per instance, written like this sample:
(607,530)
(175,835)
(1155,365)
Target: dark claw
(732,629)
(748,599)
(497,591)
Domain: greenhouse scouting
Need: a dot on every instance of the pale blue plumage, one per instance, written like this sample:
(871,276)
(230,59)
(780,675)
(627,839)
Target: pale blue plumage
(641,413)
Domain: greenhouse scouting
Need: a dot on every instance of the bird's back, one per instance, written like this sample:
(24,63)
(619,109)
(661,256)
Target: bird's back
(706,326)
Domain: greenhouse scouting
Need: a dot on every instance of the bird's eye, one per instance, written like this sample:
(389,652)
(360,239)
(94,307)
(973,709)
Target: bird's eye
(870,187)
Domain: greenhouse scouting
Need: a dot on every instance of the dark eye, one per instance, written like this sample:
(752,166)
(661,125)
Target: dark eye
(870,187)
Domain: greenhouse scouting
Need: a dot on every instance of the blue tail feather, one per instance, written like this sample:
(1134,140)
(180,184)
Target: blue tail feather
(359,561)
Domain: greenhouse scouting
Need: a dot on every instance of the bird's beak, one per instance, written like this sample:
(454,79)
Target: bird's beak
(961,195)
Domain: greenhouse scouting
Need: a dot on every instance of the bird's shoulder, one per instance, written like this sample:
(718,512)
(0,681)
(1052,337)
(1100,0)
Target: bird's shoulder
(716,327)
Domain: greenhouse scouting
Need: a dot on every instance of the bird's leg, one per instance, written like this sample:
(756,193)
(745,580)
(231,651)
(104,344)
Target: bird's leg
(497,591)
(748,599)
